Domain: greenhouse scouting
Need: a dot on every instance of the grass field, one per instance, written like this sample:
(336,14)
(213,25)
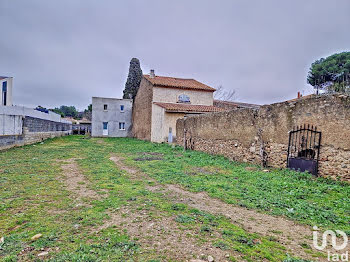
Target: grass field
(37,198)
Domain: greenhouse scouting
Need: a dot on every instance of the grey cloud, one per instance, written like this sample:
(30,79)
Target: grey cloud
(64,52)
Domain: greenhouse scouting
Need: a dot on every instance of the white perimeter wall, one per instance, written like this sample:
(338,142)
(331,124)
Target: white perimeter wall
(11,118)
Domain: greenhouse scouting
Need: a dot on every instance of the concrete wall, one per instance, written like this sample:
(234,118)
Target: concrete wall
(25,111)
(171,95)
(11,118)
(241,134)
(11,124)
(9,81)
(113,115)
(21,126)
(142,111)
(34,130)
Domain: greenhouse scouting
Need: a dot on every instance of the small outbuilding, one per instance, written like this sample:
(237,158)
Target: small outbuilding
(81,127)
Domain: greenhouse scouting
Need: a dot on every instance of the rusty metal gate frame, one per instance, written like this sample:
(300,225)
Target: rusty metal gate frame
(304,149)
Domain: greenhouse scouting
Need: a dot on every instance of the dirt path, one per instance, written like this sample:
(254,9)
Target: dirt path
(288,233)
(76,181)
(156,233)
(162,235)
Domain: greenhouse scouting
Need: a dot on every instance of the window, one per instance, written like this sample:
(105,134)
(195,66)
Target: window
(183,99)
(105,125)
(121,108)
(121,126)
(4,93)
(4,86)
(105,107)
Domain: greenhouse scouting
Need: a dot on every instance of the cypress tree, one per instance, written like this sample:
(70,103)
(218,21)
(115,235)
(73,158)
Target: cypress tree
(134,79)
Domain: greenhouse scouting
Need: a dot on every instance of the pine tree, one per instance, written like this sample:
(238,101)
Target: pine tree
(134,79)
(331,74)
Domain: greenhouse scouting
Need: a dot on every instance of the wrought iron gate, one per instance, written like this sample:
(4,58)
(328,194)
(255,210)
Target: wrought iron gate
(304,149)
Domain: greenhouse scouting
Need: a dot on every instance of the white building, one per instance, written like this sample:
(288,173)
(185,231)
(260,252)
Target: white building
(6,91)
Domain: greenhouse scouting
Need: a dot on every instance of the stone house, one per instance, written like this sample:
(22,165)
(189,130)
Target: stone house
(111,117)
(6,91)
(160,101)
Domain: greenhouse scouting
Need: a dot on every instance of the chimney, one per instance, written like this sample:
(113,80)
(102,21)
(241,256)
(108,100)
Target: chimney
(299,95)
(151,74)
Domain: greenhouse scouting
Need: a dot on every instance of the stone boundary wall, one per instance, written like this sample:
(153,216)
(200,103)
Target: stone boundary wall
(261,135)
(34,130)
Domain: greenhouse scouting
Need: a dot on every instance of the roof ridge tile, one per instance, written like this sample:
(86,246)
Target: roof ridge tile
(174,82)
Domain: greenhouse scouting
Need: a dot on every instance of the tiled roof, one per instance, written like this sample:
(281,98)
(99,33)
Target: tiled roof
(228,104)
(177,107)
(165,81)
(3,77)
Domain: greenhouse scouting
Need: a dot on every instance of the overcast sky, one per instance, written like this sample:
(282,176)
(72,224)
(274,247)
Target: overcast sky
(66,51)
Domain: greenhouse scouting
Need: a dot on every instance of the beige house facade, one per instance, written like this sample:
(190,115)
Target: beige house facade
(160,101)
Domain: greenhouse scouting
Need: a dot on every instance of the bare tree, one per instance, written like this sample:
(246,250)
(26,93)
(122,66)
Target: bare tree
(225,95)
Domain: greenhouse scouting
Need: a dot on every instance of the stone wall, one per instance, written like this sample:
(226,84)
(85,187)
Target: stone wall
(142,111)
(250,135)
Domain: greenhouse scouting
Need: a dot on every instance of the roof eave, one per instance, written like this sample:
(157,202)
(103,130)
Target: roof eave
(184,111)
(182,87)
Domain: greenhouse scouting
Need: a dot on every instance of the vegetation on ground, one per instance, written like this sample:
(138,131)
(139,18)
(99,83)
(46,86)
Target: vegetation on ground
(36,201)
(298,196)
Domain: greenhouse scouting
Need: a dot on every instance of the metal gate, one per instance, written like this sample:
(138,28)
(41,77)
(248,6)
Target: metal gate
(304,149)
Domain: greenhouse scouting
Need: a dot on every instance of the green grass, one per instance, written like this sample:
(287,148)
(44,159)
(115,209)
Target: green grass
(34,200)
(30,189)
(298,196)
